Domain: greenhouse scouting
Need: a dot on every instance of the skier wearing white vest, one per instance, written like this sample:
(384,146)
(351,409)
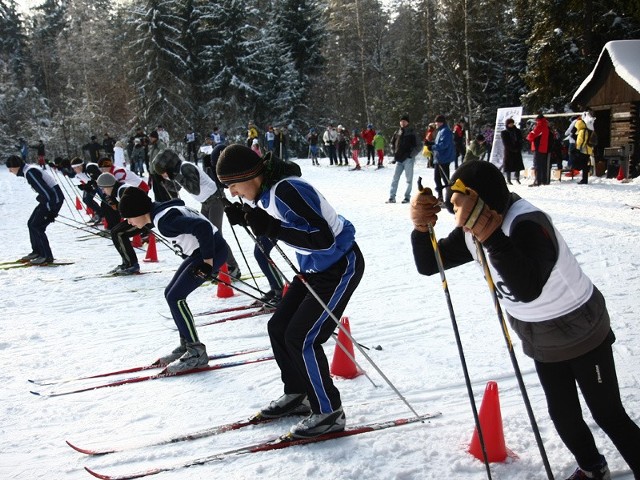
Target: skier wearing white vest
(559,315)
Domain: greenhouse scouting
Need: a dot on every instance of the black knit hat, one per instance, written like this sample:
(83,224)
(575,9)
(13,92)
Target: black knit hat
(405,117)
(486,180)
(134,203)
(238,163)
(441,119)
(14,161)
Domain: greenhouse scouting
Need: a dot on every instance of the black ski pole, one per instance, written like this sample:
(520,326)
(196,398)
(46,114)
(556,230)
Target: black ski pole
(505,331)
(456,332)
(65,192)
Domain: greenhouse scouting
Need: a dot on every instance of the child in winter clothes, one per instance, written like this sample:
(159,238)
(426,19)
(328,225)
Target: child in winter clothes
(204,251)
(378,144)
(331,265)
(256,147)
(559,315)
(355,149)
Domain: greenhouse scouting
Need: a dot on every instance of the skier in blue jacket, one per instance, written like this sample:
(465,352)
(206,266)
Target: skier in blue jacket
(50,201)
(291,210)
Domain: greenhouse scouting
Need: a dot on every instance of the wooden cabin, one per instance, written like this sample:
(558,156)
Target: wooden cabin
(612,91)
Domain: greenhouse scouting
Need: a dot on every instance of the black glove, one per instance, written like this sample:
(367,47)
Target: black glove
(261,222)
(91,184)
(203,271)
(82,187)
(235,214)
(50,216)
(428,143)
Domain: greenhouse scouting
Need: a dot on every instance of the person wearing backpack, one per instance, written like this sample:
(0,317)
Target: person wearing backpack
(584,150)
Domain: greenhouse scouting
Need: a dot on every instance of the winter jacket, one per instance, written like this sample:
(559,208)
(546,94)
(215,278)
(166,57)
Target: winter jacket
(475,150)
(403,143)
(512,149)
(368,135)
(443,147)
(330,137)
(539,136)
(378,142)
(582,142)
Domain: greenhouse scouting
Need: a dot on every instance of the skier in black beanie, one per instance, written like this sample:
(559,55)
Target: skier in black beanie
(559,315)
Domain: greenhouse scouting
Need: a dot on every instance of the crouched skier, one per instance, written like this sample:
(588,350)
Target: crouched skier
(204,251)
(293,211)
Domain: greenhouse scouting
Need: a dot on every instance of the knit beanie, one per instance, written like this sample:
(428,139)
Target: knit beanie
(486,180)
(106,180)
(14,161)
(238,163)
(134,203)
(405,117)
(441,119)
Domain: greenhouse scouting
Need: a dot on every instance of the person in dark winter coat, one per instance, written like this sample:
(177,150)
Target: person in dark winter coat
(204,251)
(444,153)
(93,149)
(511,138)
(403,144)
(539,138)
(331,265)
(559,315)
(50,201)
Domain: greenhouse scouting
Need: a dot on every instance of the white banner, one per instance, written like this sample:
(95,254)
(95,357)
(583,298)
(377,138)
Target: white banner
(502,115)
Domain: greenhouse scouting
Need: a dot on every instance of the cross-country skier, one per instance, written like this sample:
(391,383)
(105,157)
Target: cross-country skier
(293,211)
(204,250)
(50,201)
(559,315)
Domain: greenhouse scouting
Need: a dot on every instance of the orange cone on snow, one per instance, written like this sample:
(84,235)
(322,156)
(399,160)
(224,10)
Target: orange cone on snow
(491,424)
(78,204)
(224,291)
(152,252)
(136,241)
(621,175)
(342,365)
(89,211)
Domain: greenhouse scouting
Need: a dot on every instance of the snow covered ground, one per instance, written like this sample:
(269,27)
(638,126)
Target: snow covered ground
(54,327)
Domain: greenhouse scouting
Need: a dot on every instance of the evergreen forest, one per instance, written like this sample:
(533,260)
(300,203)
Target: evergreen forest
(70,69)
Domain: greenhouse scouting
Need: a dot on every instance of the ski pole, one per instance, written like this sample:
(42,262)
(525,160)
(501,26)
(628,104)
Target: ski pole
(505,331)
(456,332)
(245,258)
(65,192)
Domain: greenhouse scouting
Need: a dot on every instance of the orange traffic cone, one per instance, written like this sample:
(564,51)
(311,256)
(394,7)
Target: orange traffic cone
(342,365)
(89,211)
(78,204)
(620,176)
(136,241)
(152,253)
(224,291)
(491,424)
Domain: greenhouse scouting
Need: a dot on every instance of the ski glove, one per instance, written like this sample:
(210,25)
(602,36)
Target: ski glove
(261,222)
(235,214)
(472,214)
(204,271)
(424,210)
(50,216)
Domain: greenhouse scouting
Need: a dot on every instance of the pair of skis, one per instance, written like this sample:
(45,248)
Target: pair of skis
(162,374)
(20,264)
(273,443)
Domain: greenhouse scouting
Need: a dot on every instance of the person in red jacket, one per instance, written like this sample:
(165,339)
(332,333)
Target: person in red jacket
(355,149)
(539,138)
(367,137)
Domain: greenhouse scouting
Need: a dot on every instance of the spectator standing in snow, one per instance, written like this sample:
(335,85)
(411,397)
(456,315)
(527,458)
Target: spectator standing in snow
(459,140)
(191,140)
(93,149)
(511,138)
(23,147)
(108,144)
(118,155)
(539,138)
(330,139)
(312,138)
(293,211)
(559,315)
(163,135)
(444,153)
(367,137)
(252,132)
(403,144)
(476,149)
(40,151)
(343,144)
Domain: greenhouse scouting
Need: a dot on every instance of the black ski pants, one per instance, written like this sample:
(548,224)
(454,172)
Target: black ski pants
(121,237)
(300,326)
(595,374)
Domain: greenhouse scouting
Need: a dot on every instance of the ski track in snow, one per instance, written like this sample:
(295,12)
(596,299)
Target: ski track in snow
(55,327)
